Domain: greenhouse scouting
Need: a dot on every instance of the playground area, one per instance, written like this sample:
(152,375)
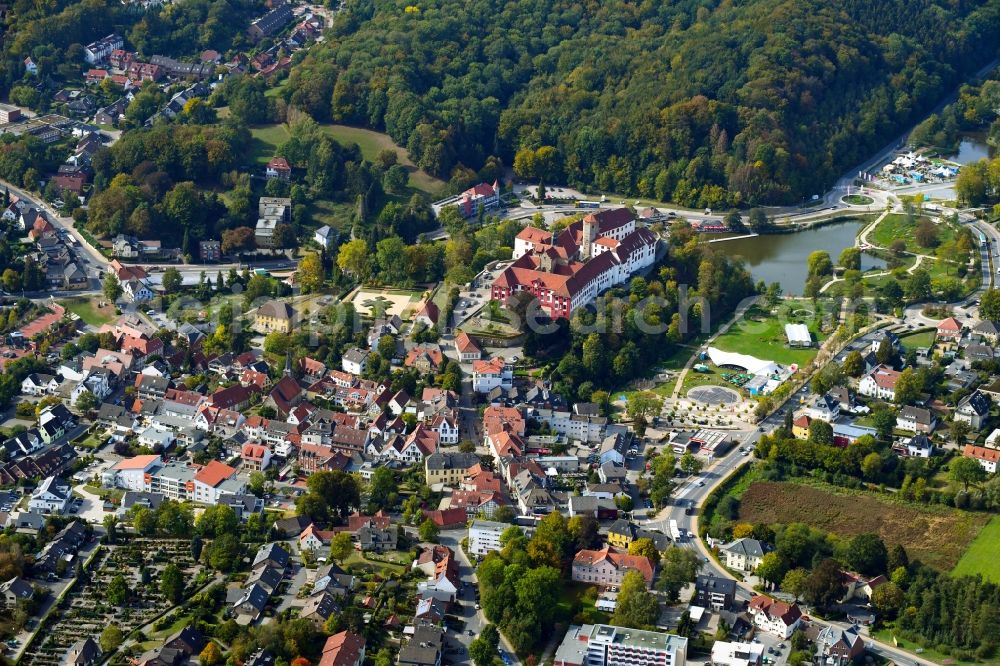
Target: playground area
(386,302)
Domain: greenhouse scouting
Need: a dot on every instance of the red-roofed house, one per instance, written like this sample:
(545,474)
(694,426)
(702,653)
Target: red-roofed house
(279,167)
(498,419)
(879,383)
(987,458)
(343,649)
(468,349)
(482,196)
(256,457)
(215,480)
(427,315)
(313,538)
(608,567)
(235,397)
(425,358)
(448,518)
(949,330)
(775,617)
(488,375)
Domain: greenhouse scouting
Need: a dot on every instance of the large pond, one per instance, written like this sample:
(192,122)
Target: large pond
(972,148)
(782,258)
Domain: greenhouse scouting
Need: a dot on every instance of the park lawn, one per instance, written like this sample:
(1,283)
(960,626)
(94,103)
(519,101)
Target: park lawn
(917,340)
(87,310)
(762,334)
(896,226)
(936,535)
(981,556)
(713,378)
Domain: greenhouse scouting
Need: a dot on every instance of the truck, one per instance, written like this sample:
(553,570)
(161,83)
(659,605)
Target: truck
(675,532)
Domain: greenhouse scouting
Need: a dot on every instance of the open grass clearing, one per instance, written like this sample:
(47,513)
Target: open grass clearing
(89,311)
(897,226)
(267,139)
(936,535)
(390,301)
(981,556)
(917,340)
(761,333)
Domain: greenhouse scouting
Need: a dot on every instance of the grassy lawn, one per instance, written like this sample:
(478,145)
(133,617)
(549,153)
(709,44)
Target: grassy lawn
(357,561)
(926,652)
(896,226)
(936,535)
(981,556)
(87,310)
(92,441)
(917,340)
(576,604)
(858,200)
(266,140)
(762,334)
(713,378)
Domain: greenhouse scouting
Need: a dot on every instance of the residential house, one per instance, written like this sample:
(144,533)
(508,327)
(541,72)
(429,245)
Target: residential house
(989,331)
(355,361)
(326,237)
(255,457)
(839,647)
(16,590)
(949,330)
(448,468)
(274,316)
(879,383)
(714,592)
(375,533)
(488,375)
(987,458)
(826,408)
(51,496)
(38,384)
(744,554)
(278,168)
(468,349)
(623,533)
(973,409)
(312,538)
(608,567)
(916,419)
(774,617)
(210,250)
(427,315)
(426,358)
(425,647)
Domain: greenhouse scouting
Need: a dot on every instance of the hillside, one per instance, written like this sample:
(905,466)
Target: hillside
(699,101)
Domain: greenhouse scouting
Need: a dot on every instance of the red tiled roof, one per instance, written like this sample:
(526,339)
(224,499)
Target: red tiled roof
(343,649)
(214,473)
(775,609)
(638,563)
(981,453)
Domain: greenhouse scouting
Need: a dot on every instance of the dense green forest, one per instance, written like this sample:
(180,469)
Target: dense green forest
(699,101)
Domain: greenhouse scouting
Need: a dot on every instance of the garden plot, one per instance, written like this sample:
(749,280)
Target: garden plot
(86,612)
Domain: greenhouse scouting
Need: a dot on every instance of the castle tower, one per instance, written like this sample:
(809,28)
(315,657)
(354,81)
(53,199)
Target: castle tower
(589,235)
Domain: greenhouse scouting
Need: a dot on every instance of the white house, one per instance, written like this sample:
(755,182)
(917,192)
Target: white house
(325,237)
(987,458)
(488,375)
(97,382)
(38,384)
(354,361)
(744,554)
(774,617)
(137,291)
(826,408)
(484,536)
(916,419)
(879,383)
(51,496)
(974,409)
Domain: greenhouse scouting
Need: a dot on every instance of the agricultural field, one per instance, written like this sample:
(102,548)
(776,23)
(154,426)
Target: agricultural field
(981,556)
(761,333)
(936,535)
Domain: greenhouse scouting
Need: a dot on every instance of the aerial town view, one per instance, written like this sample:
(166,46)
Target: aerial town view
(469,333)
